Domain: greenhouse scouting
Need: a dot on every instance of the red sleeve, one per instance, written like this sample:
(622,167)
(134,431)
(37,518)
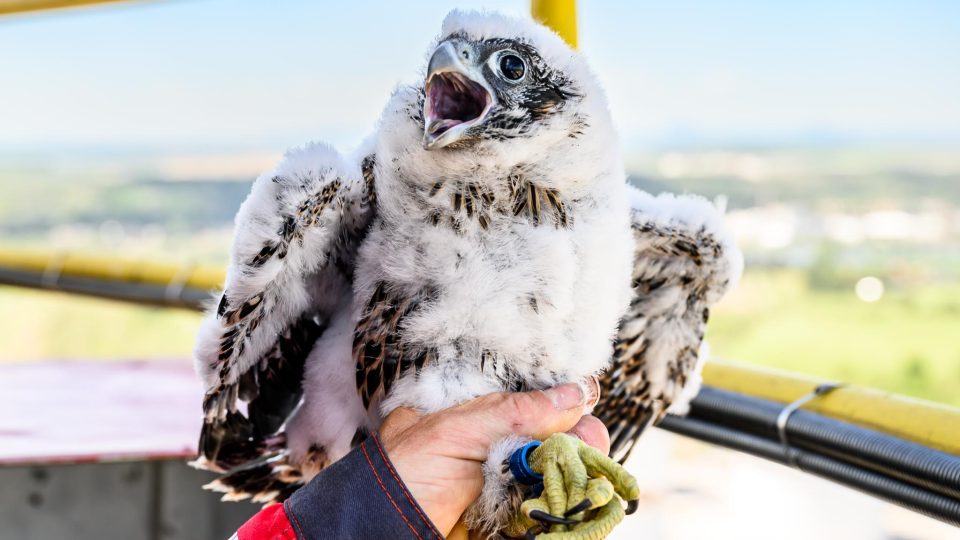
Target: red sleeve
(271,523)
(359,496)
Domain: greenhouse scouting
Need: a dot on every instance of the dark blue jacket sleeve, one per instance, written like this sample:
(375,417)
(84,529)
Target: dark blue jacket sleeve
(361,496)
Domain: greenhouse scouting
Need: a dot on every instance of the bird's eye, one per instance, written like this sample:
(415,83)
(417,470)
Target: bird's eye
(512,67)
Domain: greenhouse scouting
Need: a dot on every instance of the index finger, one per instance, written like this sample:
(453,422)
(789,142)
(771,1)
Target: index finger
(592,431)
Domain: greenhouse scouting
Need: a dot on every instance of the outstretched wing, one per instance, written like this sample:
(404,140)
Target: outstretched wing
(291,267)
(684,262)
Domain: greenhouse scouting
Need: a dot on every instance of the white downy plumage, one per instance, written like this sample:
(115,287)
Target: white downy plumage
(425,277)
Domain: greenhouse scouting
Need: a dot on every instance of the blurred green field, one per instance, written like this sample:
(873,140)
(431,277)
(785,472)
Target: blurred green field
(37,325)
(906,343)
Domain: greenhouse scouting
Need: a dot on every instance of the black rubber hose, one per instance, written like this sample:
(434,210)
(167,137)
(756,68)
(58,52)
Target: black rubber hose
(928,468)
(917,499)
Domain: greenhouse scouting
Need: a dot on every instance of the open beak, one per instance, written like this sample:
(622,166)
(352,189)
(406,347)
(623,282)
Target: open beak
(457,96)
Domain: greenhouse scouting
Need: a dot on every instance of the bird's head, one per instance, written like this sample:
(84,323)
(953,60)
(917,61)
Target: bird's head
(496,79)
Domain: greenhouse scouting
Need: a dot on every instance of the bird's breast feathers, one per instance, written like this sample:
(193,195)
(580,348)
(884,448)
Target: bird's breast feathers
(488,283)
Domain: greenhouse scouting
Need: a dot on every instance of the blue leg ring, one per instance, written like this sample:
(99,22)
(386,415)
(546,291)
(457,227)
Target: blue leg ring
(520,464)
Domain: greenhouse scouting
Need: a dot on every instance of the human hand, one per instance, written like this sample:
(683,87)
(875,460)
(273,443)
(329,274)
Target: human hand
(439,456)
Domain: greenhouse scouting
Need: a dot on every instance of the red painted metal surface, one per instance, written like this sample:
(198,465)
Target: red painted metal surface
(75,412)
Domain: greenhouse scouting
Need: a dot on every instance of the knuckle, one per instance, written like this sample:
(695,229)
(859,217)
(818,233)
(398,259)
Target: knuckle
(522,409)
(521,404)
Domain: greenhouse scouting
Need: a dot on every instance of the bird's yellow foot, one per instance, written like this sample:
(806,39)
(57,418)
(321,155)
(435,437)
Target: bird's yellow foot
(582,493)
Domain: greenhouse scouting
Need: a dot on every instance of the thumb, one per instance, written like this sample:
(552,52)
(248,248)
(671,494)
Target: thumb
(537,414)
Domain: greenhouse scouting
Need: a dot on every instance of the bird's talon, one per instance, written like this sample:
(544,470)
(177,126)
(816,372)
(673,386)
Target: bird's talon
(632,506)
(544,517)
(585,504)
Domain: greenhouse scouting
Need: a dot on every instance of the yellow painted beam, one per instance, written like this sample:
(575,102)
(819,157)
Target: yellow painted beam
(923,422)
(53,263)
(559,15)
(8,7)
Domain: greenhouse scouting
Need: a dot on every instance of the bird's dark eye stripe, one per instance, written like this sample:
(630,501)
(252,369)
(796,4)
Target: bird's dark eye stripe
(512,67)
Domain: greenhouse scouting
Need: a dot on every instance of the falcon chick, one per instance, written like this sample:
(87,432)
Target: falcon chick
(483,239)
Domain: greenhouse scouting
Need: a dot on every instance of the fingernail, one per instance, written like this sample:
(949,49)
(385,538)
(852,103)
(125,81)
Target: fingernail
(567,396)
(591,386)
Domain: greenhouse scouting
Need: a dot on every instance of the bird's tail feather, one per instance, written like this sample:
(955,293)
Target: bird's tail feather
(232,442)
(272,480)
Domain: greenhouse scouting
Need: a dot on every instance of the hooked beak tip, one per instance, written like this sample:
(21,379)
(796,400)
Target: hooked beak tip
(457,98)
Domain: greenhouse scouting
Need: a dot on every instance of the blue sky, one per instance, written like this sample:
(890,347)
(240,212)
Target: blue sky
(268,74)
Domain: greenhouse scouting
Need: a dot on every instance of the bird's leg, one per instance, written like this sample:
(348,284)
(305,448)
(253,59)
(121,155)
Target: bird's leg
(582,493)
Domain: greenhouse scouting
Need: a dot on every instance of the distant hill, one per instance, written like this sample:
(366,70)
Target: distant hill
(906,191)
(36,200)
(180,206)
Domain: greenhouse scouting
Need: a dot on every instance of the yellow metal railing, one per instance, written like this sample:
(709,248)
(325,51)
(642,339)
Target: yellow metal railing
(930,424)
(560,15)
(133,280)
(8,7)
(54,265)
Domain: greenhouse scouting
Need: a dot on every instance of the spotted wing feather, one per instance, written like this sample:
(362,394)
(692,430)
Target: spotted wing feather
(684,262)
(291,265)
(379,350)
